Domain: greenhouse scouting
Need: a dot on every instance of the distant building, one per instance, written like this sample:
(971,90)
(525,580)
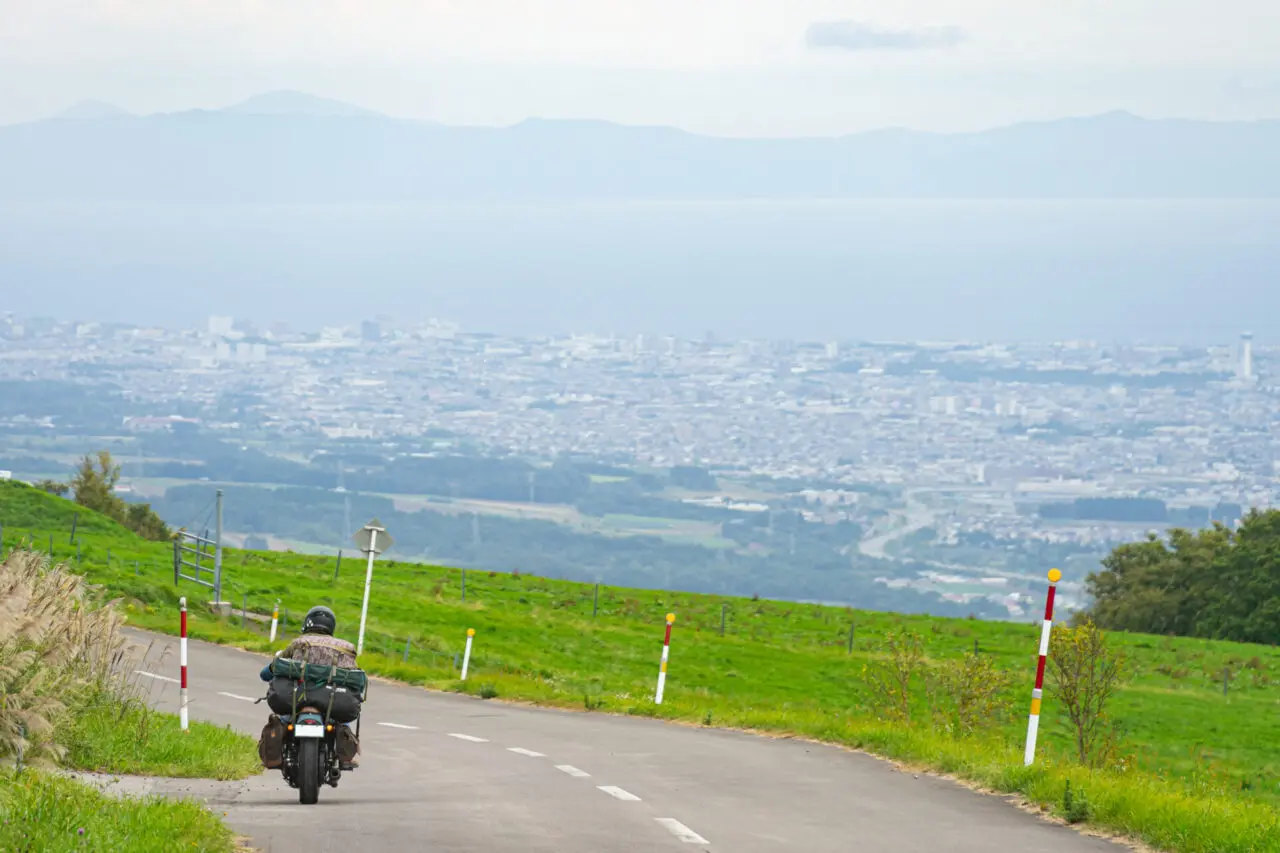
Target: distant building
(1246,356)
(221,326)
(370,331)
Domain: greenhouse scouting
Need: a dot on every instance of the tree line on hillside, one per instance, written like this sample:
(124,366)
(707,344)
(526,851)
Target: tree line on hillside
(815,570)
(93,487)
(1216,583)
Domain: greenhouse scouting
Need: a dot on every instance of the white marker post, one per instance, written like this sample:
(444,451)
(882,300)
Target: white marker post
(182,663)
(466,655)
(373,539)
(275,619)
(662,669)
(1037,693)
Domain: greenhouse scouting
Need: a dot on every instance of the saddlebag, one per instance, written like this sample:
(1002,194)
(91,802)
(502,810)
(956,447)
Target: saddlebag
(271,744)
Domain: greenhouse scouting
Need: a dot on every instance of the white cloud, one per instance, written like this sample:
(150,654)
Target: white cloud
(622,33)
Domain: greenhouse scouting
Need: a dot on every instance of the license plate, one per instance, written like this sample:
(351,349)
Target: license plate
(308,731)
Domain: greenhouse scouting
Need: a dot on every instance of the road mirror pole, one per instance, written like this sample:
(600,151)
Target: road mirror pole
(372,539)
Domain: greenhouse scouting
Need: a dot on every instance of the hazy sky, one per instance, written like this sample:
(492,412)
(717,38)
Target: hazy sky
(749,67)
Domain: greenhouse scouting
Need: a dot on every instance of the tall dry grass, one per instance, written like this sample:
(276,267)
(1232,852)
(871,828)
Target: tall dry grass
(58,647)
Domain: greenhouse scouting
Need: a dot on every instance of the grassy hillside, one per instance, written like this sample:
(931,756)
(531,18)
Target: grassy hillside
(1199,772)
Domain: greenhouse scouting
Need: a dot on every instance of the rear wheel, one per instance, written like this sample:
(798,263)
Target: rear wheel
(309,771)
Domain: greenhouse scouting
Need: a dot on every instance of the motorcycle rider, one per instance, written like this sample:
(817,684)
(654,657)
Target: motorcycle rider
(317,645)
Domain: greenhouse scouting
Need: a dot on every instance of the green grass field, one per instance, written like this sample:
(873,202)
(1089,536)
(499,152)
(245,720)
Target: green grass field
(1200,773)
(42,813)
(132,739)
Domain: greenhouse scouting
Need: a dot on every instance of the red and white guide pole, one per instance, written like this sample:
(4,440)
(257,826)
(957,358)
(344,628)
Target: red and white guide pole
(1033,723)
(666,652)
(182,661)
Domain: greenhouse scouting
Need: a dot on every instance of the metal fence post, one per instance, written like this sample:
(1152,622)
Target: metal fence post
(136,571)
(337,567)
(217,552)
(1226,680)
(75,520)
(724,608)
(244,610)
(595,602)
(405,659)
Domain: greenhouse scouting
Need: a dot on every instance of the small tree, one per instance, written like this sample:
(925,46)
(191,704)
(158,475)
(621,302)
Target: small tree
(889,677)
(1086,675)
(971,693)
(94,484)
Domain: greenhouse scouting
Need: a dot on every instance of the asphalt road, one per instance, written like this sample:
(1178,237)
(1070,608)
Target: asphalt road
(443,772)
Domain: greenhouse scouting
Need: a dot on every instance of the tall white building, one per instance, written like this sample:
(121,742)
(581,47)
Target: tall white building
(1246,356)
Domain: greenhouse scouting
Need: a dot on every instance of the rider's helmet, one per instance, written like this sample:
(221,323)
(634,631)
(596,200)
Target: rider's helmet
(319,620)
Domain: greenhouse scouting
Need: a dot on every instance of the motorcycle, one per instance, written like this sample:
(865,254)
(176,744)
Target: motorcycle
(309,733)
(311,753)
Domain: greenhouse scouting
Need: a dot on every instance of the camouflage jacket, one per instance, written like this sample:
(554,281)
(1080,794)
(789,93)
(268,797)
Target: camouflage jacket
(322,649)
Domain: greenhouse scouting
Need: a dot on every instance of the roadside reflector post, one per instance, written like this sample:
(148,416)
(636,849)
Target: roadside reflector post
(275,619)
(662,668)
(466,654)
(1033,721)
(182,662)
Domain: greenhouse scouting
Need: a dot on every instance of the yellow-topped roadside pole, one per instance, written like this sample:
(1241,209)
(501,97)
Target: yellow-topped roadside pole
(1033,722)
(662,669)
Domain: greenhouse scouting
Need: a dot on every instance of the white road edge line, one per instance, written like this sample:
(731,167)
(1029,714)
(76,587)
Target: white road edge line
(523,751)
(398,726)
(237,696)
(618,793)
(679,830)
(572,771)
(471,738)
(153,675)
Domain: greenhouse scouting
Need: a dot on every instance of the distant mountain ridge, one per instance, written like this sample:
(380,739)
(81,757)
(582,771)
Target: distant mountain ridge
(293,147)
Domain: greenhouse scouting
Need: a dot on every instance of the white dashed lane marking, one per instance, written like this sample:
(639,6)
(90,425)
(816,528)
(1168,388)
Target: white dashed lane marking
(471,738)
(679,830)
(618,793)
(523,751)
(398,726)
(157,677)
(571,770)
(237,696)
